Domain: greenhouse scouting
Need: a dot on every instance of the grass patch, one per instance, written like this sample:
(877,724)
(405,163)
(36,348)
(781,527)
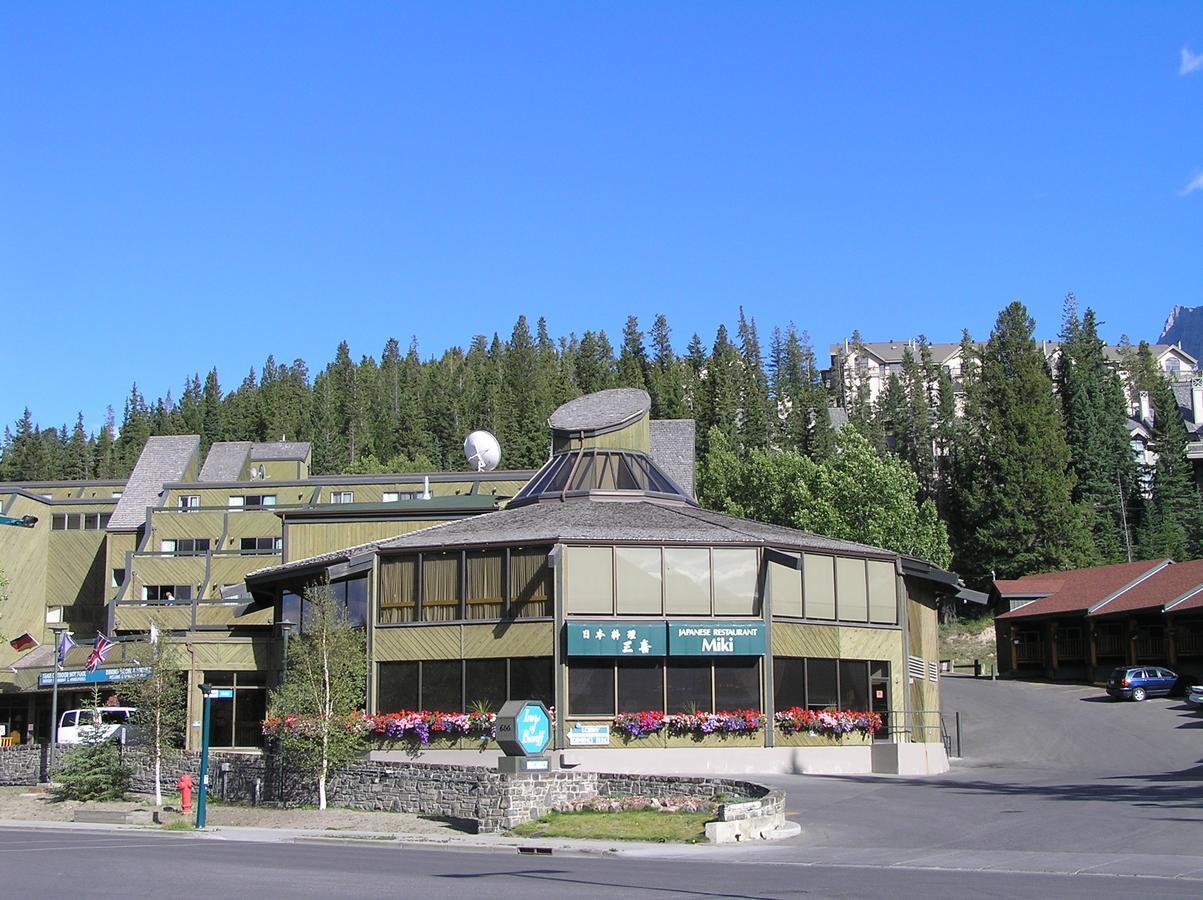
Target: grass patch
(632,825)
(180,825)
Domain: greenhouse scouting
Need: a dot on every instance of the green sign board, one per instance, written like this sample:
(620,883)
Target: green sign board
(716,638)
(615,638)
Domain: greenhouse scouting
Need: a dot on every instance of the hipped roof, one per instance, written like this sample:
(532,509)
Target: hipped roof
(1103,590)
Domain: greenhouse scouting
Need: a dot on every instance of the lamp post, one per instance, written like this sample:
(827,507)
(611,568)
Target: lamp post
(58,662)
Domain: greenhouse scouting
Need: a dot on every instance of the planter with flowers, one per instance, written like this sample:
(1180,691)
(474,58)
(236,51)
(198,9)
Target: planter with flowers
(740,727)
(414,730)
(798,727)
(638,729)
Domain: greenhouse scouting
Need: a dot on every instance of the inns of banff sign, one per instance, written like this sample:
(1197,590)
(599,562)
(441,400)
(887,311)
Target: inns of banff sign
(643,638)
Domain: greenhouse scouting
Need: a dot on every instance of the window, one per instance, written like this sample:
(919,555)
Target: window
(342,497)
(639,585)
(185,546)
(851,589)
(118,577)
(686,581)
(530,583)
(351,595)
(394,496)
(259,545)
(589,580)
(453,685)
(191,501)
(789,682)
(854,684)
(167,593)
(440,587)
(591,687)
(688,682)
(390,497)
(822,684)
(117,495)
(251,501)
(737,684)
(640,685)
(398,589)
(74,521)
(238,722)
(734,581)
(818,586)
(58,522)
(826,683)
(486,598)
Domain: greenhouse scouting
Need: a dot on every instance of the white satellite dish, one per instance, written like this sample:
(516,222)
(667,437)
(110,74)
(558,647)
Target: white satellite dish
(482,451)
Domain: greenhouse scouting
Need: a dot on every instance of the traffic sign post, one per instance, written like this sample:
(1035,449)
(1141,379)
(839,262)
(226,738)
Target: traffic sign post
(523,733)
(210,694)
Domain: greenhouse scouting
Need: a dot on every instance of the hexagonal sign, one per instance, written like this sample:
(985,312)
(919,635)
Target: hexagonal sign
(523,728)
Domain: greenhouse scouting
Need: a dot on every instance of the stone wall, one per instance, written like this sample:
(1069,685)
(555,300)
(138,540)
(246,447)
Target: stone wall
(21,765)
(477,798)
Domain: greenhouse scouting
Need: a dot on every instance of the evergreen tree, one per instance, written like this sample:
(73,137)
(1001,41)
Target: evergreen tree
(1173,520)
(754,419)
(697,400)
(524,410)
(666,382)
(78,464)
(135,429)
(632,359)
(27,452)
(104,454)
(724,380)
(1018,514)
(1095,413)
(212,426)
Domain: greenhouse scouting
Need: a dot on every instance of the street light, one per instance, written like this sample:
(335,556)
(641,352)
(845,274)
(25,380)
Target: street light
(58,662)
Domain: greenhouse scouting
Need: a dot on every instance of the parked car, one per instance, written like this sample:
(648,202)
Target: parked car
(1138,682)
(108,723)
(1195,696)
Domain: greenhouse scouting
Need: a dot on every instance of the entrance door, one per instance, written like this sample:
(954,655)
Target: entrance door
(879,696)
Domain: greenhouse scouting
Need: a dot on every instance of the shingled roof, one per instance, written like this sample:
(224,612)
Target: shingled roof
(164,459)
(602,410)
(1078,590)
(1154,592)
(226,458)
(672,445)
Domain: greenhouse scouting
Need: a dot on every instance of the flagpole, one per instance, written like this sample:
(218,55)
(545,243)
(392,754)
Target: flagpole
(54,703)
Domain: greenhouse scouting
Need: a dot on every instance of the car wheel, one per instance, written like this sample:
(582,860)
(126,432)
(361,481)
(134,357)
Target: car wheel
(1138,694)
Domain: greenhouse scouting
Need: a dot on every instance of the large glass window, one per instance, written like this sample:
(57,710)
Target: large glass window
(689,686)
(883,597)
(734,581)
(440,587)
(238,722)
(589,580)
(484,683)
(638,570)
(785,590)
(854,684)
(640,685)
(398,589)
(486,596)
(851,590)
(818,586)
(530,583)
(531,679)
(351,596)
(737,683)
(789,683)
(686,581)
(591,688)
(442,687)
(397,686)
(822,690)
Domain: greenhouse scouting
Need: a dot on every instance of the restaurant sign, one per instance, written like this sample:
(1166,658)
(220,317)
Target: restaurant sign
(615,638)
(716,638)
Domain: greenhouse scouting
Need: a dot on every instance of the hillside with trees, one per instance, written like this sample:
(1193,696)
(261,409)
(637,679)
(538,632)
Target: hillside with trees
(1016,468)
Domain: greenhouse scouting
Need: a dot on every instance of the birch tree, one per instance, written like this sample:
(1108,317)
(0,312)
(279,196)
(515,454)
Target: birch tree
(315,712)
(160,705)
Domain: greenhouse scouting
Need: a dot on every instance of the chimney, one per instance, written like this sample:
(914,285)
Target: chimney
(1196,401)
(1146,410)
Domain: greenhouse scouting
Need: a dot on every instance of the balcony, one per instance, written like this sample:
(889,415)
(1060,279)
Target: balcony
(186,615)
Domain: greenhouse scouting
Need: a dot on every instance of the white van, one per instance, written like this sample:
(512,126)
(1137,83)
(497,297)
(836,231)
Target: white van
(107,723)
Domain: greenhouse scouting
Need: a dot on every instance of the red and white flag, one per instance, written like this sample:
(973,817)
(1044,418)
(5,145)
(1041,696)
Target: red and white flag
(100,650)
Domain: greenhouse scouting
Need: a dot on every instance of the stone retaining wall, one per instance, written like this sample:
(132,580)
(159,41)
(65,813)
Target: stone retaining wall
(481,799)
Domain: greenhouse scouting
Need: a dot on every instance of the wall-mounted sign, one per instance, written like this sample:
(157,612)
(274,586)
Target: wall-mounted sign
(587,734)
(615,638)
(100,676)
(716,638)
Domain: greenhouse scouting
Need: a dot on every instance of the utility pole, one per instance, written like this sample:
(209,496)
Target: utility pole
(1123,511)
(58,664)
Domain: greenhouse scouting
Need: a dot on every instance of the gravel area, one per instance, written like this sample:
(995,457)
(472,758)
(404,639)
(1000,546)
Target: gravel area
(25,804)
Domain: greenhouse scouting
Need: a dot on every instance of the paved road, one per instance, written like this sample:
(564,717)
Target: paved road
(152,865)
(1060,794)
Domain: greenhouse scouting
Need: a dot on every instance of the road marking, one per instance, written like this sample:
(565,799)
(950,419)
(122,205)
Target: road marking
(90,846)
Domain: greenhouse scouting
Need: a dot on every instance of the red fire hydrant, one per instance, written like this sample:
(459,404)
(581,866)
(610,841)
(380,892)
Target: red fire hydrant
(185,786)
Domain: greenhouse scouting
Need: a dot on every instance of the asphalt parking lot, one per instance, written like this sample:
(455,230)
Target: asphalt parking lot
(1054,778)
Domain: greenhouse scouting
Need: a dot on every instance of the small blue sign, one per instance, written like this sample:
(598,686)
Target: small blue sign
(222,694)
(534,728)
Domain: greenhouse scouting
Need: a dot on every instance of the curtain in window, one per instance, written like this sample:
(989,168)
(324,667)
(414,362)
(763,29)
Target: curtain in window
(485,594)
(530,582)
(398,589)
(440,587)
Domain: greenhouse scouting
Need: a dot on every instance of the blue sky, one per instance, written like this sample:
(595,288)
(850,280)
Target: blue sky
(196,185)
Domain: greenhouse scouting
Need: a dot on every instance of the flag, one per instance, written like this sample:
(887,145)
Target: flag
(154,634)
(25,642)
(100,650)
(65,643)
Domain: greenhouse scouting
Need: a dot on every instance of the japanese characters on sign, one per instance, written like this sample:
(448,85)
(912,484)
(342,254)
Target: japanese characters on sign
(616,638)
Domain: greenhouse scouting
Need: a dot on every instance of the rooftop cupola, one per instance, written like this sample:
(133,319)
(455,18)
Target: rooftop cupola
(601,450)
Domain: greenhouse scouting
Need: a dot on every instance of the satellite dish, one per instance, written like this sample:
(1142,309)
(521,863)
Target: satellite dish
(482,451)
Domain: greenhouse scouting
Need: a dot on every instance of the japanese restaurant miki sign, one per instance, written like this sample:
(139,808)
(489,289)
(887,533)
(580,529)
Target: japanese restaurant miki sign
(616,639)
(716,638)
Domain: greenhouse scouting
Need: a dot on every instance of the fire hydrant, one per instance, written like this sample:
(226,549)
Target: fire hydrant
(185,786)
